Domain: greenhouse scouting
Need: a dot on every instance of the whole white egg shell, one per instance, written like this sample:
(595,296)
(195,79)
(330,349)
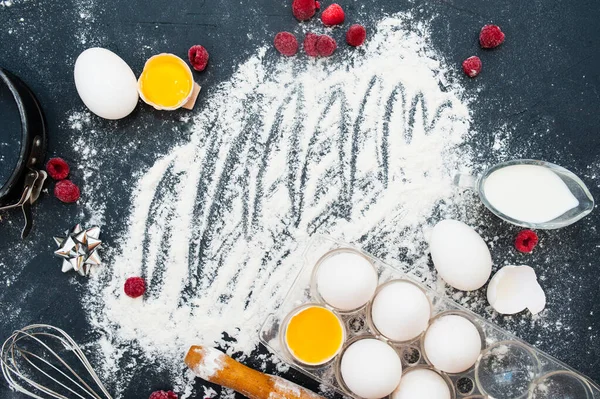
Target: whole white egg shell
(346,280)
(452,344)
(422,384)
(401,311)
(371,368)
(460,255)
(105,83)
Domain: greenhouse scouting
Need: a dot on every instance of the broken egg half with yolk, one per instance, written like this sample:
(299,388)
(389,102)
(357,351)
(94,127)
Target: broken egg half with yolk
(314,335)
(166,82)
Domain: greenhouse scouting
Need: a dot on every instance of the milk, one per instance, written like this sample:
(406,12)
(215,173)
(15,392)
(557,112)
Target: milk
(528,193)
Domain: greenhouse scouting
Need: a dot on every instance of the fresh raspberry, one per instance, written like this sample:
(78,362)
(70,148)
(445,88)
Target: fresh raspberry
(198,57)
(317,5)
(472,66)
(526,240)
(356,35)
(491,36)
(135,287)
(333,15)
(310,45)
(304,9)
(57,168)
(163,395)
(326,45)
(286,43)
(66,191)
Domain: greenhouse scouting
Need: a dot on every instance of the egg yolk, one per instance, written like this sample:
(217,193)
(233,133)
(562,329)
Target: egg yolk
(314,335)
(166,81)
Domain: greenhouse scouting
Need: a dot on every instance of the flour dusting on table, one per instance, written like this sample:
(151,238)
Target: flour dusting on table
(363,147)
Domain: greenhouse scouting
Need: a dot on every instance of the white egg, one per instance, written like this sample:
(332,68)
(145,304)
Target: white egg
(371,368)
(346,280)
(401,311)
(514,289)
(460,255)
(105,83)
(422,384)
(452,344)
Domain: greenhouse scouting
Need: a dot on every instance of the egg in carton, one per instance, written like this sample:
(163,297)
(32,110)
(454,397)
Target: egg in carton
(398,339)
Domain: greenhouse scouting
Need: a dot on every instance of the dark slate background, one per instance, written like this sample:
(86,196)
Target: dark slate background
(542,85)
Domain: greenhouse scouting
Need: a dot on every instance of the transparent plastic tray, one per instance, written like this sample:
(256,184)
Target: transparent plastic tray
(507,368)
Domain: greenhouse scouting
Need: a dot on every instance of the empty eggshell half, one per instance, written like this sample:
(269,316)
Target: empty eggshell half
(514,289)
(460,255)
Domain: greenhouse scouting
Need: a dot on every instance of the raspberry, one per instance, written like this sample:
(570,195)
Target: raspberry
(317,5)
(198,57)
(472,66)
(356,35)
(333,15)
(491,36)
(66,191)
(325,45)
(163,395)
(286,43)
(304,9)
(57,168)
(526,240)
(135,287)
(310,45)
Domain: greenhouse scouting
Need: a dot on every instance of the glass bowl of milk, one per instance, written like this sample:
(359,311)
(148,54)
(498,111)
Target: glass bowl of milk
(534,194)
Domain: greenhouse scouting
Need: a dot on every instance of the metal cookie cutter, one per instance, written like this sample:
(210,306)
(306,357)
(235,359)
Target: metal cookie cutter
(23,127)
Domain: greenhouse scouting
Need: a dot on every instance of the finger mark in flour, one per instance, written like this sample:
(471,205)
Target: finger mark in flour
(365,136)
(392,124)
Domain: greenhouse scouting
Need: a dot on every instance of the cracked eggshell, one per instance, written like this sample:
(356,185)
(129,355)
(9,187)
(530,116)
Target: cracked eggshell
(514,289)
(460,255)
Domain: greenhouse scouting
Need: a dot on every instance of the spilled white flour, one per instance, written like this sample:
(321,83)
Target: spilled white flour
(362,146)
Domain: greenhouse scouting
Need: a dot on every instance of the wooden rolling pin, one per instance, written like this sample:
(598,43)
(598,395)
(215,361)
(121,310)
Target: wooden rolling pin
(214,366)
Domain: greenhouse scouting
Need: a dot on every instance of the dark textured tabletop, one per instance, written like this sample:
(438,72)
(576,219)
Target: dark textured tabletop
(544,84)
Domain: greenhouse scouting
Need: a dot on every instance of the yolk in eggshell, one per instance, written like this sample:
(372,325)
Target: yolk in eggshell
(314,335)
(166,81)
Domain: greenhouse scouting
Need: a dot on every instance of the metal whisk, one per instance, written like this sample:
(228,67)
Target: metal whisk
(40,361)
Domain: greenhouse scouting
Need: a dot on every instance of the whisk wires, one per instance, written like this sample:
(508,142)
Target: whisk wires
(31,355)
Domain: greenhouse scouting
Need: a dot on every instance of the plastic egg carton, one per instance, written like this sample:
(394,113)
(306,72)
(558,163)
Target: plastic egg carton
(507,367)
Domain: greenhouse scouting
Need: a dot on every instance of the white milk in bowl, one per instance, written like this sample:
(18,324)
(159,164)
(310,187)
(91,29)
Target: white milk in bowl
(529,193)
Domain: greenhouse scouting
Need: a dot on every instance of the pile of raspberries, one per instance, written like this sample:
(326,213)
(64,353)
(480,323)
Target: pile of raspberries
(318,45)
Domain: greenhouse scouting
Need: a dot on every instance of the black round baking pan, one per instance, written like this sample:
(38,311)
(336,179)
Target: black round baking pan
(22,146)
